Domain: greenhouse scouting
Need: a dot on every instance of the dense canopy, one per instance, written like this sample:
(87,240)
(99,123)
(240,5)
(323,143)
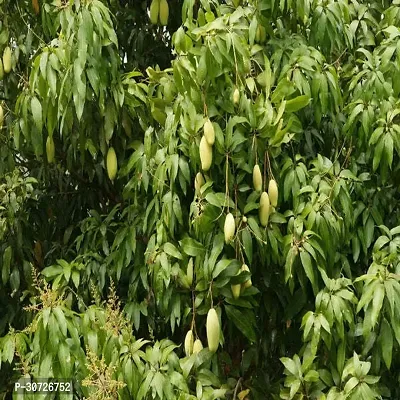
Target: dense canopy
(201,199)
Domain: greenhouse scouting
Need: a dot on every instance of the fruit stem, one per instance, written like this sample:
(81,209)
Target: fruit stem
(210,293)
(237,387)
(237,246)
(241,252)
(193,324)
(226,201)
(205,110)
(254,146)
(265,172)
(269,166)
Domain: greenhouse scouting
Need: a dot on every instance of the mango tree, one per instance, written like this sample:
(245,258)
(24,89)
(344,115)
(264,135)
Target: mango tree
(200,199)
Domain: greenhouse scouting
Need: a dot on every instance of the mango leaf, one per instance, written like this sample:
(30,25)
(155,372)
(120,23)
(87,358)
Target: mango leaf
(297,103)
(386,342)
(171,250)
(309,269)
(241,321)
(247,244)
(5,273)
(36,107)
(192,247)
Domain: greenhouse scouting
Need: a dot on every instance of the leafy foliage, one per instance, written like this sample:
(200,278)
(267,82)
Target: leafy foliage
(101,279)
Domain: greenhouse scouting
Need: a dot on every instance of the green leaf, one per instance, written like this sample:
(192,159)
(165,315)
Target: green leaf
(37,113)
(214,200)
(377,302)
(52,80)
(8,349)
(389,150)
(380,242)
(369,231)
(356,110)
(247,244)
(323,93)
(221,266)
(15,279)
(92,341)
(341,356)
(376,135)
(309,270)
(171,250)
(62,322)
(295,385)
(5,273)
(296,303)
(158,383)
(176,205)
(311,376)
(324,323)
(63,356)
(178,380)
(297,103)
(378,154)
(290,257)
(368,294)
(192,247)
(184,167)
(76,278)
(46,365)
(280,112)
(291,366)
(250,207)
(254,227)
(43,63)
(217,247)
(351,384)
(241,321)
(307,323)
(386,342)
(145,386)
(355,246)
(109,121)
(187,365)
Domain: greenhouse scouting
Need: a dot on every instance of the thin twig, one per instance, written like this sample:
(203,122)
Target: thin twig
(237,387)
